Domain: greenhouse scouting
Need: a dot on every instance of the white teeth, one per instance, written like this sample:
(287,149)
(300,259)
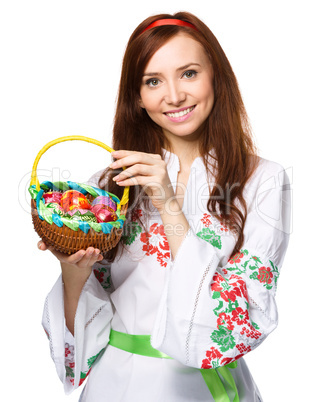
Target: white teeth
(182,113)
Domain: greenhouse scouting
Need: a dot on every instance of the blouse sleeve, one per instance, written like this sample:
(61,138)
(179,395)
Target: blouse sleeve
(214,309)
(74,356)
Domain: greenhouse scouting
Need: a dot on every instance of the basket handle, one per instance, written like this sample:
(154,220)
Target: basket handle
(34,177)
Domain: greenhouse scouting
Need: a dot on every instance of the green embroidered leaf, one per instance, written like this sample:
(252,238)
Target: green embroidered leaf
(245,252)
(215,363)
(69,372)
(255,258)
(218,308)
(231,306)
(216,295)
(131,231)
(210,236)
(254,275)
(254,325)
(236,270)
(245,264)
(268,286)
(92,359)
(252,267)
(274,268)
(83,374)
(108,283)
(223,337)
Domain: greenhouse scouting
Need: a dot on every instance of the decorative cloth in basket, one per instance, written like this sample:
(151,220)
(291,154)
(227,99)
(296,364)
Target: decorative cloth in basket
(68,235)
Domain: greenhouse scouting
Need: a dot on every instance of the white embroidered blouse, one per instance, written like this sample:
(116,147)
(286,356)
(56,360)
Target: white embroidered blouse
(203,309)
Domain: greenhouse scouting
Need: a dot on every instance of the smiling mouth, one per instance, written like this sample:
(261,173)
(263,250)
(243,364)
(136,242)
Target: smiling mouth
(181,113)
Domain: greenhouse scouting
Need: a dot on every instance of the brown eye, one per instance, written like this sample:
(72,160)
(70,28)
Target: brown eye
(152,82)
(190,74)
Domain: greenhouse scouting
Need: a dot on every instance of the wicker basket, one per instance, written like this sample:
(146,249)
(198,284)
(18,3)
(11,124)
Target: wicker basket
(54,232)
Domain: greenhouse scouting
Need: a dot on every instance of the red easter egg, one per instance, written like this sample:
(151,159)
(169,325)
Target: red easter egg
(52,196)
(104,213)
(74,199)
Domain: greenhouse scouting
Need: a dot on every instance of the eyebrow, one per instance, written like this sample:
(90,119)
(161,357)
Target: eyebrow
(178,69)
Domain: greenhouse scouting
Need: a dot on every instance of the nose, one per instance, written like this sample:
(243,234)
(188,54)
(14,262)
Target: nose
(175,95)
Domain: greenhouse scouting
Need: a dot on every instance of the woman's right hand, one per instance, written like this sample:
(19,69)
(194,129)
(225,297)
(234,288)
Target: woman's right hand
(82,259)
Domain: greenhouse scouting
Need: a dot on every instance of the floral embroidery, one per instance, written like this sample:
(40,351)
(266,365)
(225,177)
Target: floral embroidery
(104,277)
(155,242)
(212,360)
(132,229)
(137,214)
(210,231)
(70,364)
(232,318)
(130,233)
(242,262)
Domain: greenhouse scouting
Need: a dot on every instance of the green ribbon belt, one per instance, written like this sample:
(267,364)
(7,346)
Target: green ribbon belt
(141,345)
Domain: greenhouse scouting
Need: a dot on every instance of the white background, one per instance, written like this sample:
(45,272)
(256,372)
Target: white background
(60,66)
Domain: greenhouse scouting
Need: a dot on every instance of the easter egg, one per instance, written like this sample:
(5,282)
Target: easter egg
(72,199)
(104,213)
(84,215)
(52,196)
(105,200)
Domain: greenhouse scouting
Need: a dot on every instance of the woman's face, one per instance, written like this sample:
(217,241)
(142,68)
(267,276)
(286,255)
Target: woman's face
(177,87)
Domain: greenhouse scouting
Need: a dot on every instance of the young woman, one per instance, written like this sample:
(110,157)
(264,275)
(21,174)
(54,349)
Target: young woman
(169,313)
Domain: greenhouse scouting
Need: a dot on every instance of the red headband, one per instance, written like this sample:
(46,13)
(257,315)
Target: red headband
(168,21)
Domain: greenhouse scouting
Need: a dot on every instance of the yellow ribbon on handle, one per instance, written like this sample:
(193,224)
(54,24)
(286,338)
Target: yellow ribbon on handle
(34,177)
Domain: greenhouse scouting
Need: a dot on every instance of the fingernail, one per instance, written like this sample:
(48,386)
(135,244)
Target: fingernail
(113,165)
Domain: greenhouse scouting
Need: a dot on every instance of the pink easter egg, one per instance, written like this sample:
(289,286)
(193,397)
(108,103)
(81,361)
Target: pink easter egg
(104,213)
(105,200)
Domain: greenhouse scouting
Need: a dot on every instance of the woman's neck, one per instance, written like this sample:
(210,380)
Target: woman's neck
(186,151)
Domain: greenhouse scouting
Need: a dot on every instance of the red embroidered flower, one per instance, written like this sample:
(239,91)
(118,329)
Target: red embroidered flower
(99,275)
(265,275)
(230,294)
(243,349)
(163,258)
(240,284)
(137,213)
(240,316)
(227,360)
(155,242)
(212,355)
(250,332)
(216,285)
(224,227)
(224,319)
(236,259)
(205,220)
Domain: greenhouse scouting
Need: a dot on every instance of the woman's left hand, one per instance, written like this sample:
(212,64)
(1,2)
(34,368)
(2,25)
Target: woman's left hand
(148,171)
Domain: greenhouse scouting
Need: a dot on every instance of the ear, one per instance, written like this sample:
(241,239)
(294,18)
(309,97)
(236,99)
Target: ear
(141,104)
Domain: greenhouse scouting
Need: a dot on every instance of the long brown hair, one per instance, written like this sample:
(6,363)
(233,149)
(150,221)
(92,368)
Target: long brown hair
(226,132)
